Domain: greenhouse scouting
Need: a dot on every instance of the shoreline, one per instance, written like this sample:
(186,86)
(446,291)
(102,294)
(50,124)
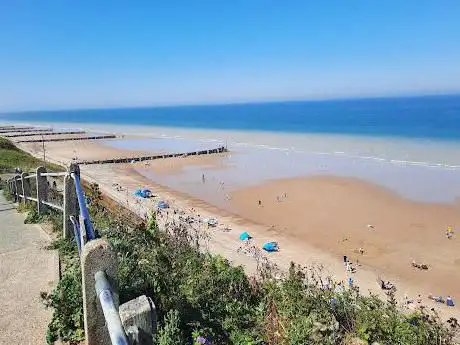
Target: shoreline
(301,250)
(226,243)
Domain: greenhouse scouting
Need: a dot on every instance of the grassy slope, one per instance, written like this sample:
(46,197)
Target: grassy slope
(11,157)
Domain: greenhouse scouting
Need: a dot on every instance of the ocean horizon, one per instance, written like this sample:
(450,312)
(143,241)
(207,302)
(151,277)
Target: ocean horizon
(421,117)
(410,145)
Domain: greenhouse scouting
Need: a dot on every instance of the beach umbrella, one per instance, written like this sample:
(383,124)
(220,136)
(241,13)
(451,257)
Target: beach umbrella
(245,236)
(163,204)
(270,247)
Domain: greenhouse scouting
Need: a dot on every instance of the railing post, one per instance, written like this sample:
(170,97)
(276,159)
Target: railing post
(17,187)
(42,190)
(25,187)
(70,205)
(97,255)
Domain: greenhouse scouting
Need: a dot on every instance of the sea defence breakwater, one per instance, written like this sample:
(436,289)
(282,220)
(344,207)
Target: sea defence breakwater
(24,129)
(134,159)
(91,137)
(16,135)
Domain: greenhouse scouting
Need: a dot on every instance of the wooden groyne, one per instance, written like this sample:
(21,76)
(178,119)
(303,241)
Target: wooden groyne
(24,129)
(45,133)
(149,158)
(94,137)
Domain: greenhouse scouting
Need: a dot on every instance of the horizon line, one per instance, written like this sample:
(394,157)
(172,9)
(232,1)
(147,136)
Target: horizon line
(242,102)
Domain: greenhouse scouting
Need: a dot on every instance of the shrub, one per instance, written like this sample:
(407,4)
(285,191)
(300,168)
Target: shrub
(170,333)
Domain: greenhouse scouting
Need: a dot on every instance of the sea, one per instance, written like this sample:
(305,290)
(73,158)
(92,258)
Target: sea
(408,144)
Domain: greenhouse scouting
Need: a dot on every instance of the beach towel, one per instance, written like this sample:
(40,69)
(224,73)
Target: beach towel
(245,236)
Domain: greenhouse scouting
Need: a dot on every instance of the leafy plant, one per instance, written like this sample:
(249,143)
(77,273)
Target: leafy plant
(170,333)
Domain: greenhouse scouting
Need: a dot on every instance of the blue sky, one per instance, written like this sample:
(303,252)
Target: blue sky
(78,54)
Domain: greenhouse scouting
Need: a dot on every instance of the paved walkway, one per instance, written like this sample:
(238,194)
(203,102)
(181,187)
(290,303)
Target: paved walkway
(26,269)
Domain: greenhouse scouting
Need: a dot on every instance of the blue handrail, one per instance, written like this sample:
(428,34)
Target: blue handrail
(112,318)
(83,209)
(77,233)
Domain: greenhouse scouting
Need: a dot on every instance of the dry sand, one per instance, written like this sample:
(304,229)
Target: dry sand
(65,151)
(320,220)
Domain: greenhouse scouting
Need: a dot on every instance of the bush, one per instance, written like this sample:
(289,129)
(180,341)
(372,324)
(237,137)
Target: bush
(67,303)
(170,333)
(5,144)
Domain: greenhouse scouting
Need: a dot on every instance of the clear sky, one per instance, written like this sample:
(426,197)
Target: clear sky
(76,54)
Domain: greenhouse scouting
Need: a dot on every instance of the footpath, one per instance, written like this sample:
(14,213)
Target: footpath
(26,269)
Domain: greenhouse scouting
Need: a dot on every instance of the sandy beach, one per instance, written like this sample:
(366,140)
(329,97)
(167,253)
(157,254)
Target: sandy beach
(315,220)
(65,151)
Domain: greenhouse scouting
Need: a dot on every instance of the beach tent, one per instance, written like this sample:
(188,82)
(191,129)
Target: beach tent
(163,204)
(245,236)
(270,247)
(143,193)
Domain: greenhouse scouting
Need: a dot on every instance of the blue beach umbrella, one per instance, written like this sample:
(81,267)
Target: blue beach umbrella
(245,236)
(163,204)
(270,247)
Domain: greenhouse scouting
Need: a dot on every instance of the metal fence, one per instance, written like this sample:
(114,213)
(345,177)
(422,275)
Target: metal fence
(97,269)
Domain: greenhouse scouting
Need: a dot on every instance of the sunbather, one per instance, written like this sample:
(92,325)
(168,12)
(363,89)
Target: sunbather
(438,299)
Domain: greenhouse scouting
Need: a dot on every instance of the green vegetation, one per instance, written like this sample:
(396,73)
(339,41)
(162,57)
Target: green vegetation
(203,299)
(66,299)
(201,296)
(11,157)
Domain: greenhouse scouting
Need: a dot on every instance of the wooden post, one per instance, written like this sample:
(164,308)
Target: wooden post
(17,187)
(42,190)
(25,184)
(70,205)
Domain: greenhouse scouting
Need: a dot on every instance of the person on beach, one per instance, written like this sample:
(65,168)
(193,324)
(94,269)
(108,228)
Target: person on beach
(203,180)
(260,202)
(350,282)
(449,232)
(345,260)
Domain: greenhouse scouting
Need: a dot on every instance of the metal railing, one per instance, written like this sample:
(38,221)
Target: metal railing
(76,222)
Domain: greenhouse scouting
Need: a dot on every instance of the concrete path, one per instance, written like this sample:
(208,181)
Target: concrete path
(26,269)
